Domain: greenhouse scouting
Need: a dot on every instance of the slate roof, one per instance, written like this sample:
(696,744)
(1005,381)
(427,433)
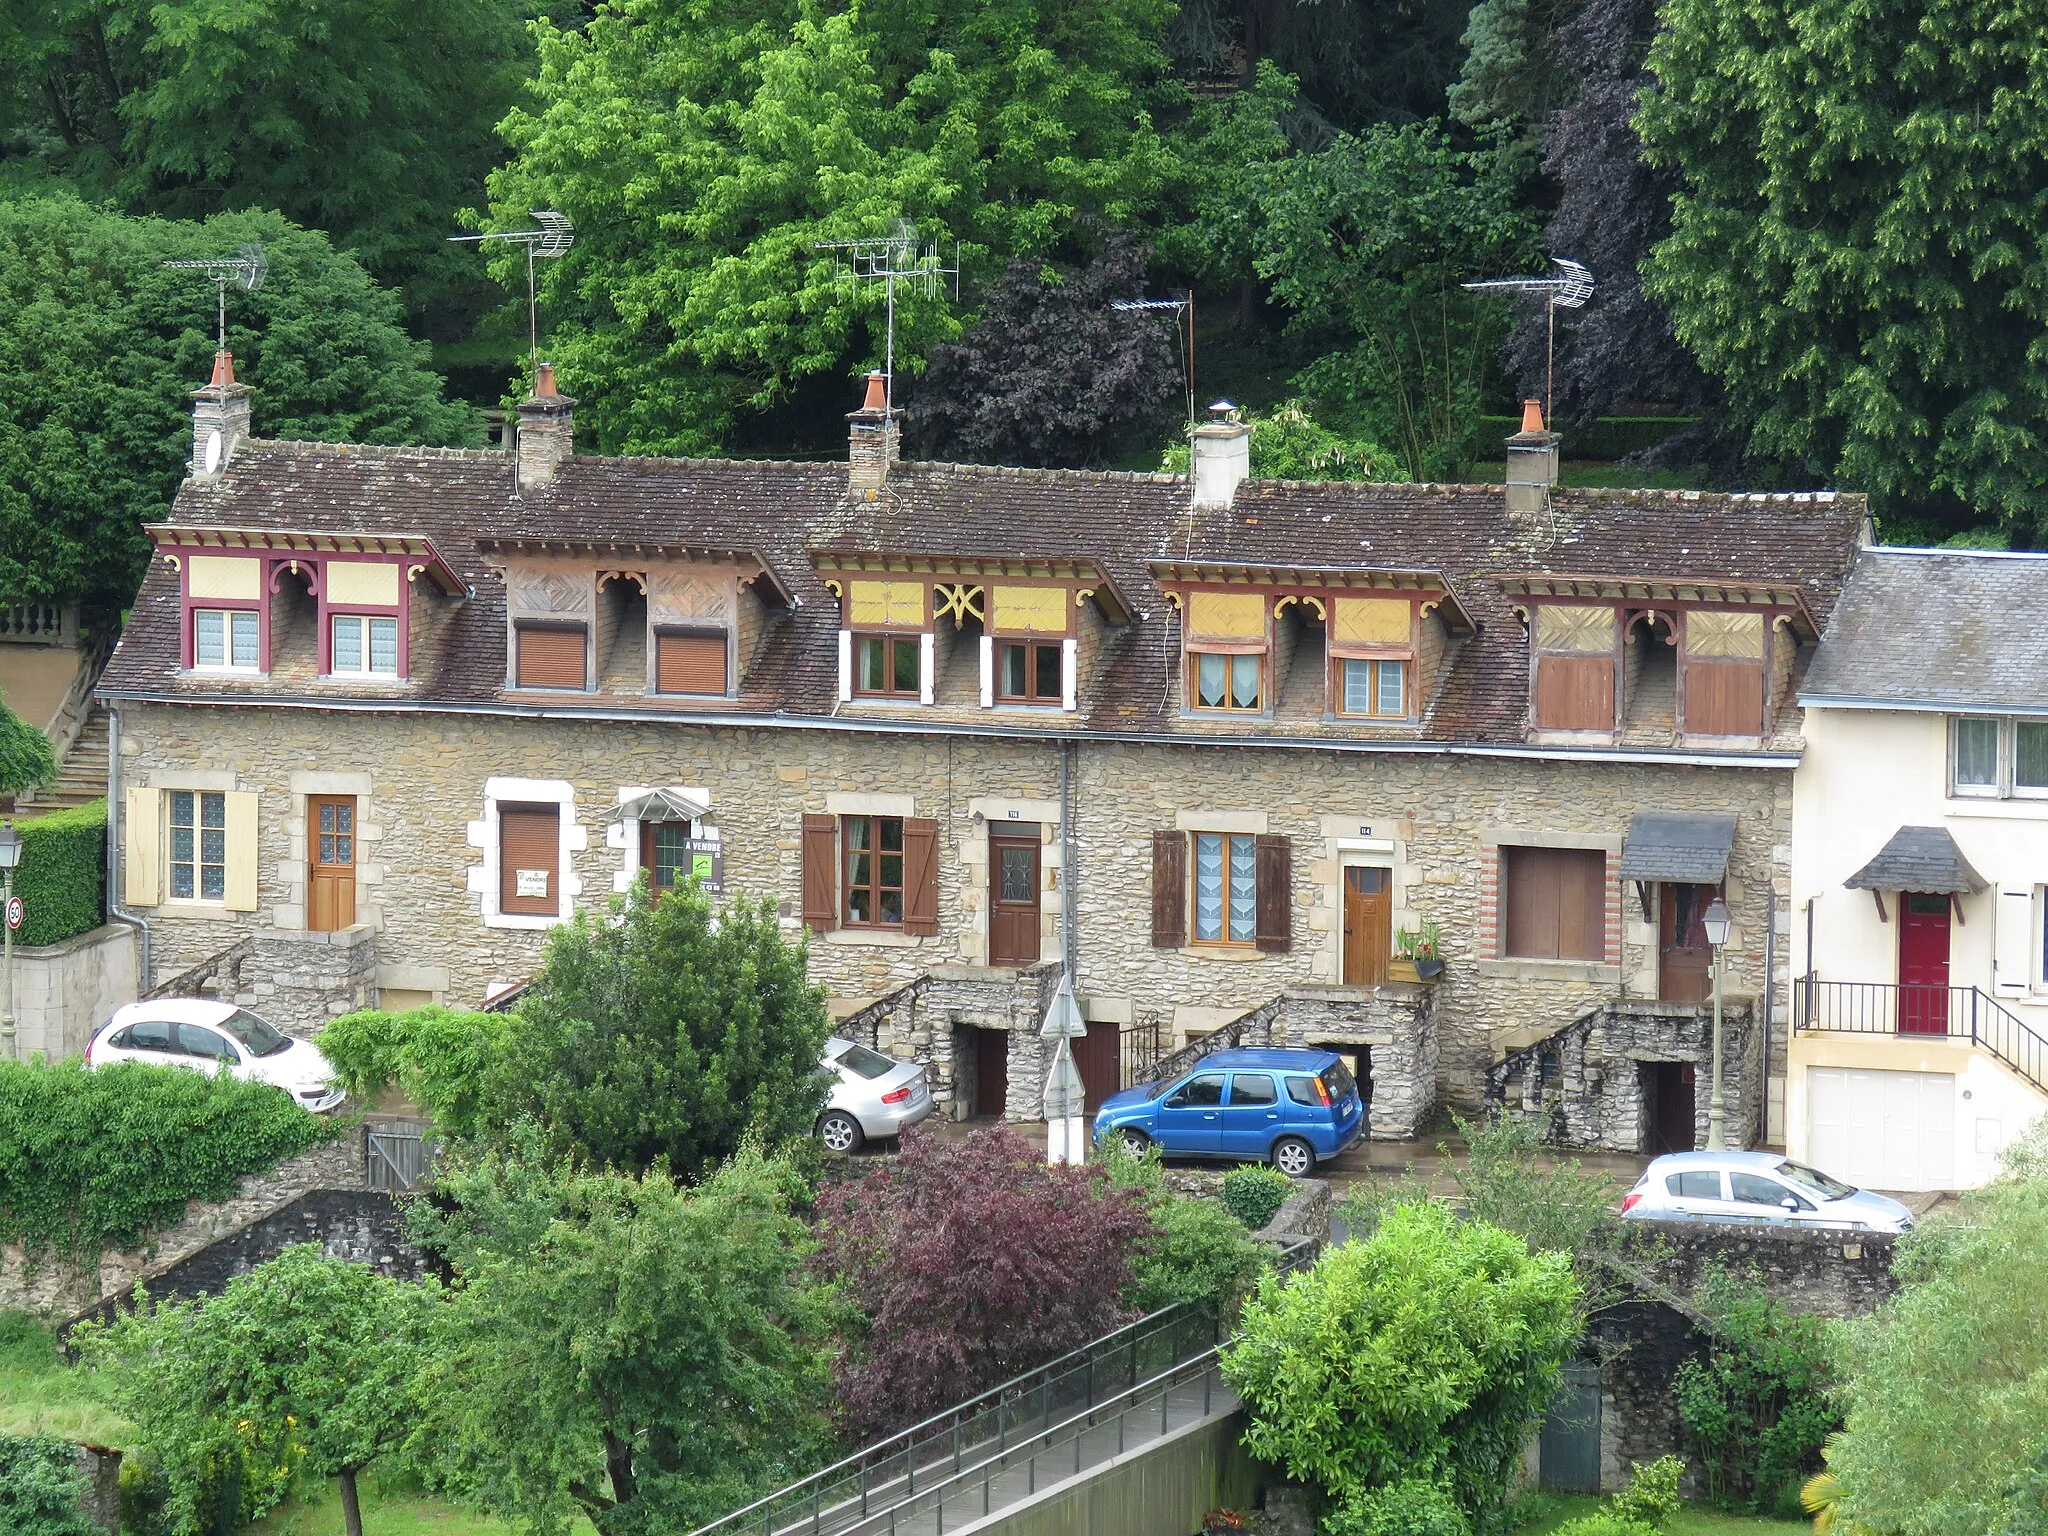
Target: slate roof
(1671,845)
(1937,629)
(1122,521)
(1918,859)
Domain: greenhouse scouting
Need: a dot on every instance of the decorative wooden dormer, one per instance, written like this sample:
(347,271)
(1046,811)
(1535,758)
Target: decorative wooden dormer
(1658,661)
(678,620)
(234,583)
(1353,644)
(1027,618)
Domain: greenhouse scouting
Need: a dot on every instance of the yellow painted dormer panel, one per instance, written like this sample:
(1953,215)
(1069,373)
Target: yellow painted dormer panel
(1227,615)
(896,604)
(366,583)
(1739,635)
(238,577)
(1030,611)
(1373,621)
(1568,628)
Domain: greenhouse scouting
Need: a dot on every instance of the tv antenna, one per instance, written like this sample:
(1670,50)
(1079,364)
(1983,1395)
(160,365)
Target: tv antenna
(1181,310)
(246,269)
(1568,288)
(554,237)
(901,256)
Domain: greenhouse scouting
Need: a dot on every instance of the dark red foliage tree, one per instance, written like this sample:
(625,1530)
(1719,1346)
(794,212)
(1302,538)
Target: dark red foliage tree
(971,1261)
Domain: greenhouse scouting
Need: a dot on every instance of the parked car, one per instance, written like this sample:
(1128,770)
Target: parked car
(872,1095)
(216,1037)
(1291,1108)
(1756,1189)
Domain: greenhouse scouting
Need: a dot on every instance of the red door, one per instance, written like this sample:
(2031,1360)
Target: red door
(1923,963)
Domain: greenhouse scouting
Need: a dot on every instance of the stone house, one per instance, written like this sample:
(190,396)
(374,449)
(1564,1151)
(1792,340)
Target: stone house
(386,715)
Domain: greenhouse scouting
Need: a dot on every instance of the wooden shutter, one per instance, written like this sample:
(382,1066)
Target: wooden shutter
(551,656)
(239,873)
(920,876)
(1724,698)
(529,838)
(142,847)
(1575,693)
(1554,903)
(1274,919)
(689,663)
(821,872)
(1169,890)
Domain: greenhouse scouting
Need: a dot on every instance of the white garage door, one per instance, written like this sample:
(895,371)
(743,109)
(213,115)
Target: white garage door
(1882,1130)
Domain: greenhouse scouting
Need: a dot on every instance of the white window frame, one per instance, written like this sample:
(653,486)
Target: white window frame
(228,616)
(483,835)
(623,833)
(365,620)
(2005,784)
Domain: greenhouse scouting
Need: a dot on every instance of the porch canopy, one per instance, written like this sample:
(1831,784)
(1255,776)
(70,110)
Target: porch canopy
(1918,859)
(1677,847)
(662,805)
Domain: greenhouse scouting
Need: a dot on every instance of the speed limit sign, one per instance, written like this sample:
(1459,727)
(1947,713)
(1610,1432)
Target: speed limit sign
(15,912)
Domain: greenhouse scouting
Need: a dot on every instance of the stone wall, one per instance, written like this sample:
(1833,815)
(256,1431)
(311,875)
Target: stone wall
(300,980)
(64,992)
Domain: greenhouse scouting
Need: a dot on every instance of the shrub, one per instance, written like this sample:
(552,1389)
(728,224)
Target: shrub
(25,756)
(1411,1507)
(39,1488)
(437,1057)
(1651,1497)
(62,880)
(1255,1192)
(1198,1252)
(95,1159)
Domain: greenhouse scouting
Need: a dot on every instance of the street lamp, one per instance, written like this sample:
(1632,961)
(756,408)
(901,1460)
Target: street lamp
(1715,921)
(10,856)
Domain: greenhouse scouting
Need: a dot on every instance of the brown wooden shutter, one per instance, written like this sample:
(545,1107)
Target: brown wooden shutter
(551,656)
(821,872)
(689,663)
(1724,698)
(1554,903)
(1575,693)
(529,838)
(1274,919)
(920,876)
(1169,890)
(1581,904)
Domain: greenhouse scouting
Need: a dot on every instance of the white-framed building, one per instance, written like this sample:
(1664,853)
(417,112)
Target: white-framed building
(1920,872)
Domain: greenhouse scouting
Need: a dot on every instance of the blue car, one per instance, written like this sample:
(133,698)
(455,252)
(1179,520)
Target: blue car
(1292,1108)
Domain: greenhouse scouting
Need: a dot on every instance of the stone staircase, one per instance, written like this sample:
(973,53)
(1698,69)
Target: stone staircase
(81,777)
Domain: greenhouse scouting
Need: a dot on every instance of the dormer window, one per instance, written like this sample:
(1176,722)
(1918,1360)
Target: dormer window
(1030,672)
(1575,648)
(552,655)
(1372,647)
(1373,688)
(690,661)
(1723,675)
(227,639)
(1229,681)
(362,645)
(887,666)
(1229,640)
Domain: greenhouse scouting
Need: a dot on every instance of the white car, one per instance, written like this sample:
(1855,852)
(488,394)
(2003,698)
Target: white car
(216,1037)
(1757,1189)
(872,1096)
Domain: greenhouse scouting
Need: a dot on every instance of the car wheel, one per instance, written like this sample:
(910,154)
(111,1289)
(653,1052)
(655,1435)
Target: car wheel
(840,1132)
(1294,1157)
(1133,1141)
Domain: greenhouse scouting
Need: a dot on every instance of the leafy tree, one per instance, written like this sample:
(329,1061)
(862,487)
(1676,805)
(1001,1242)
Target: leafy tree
(1856,244)
(40,1486)
(1514,63)
(1946,1388)
(103,346)
(299,1370)
(970,1261)
(1049,374)
(705,149)
(1425,1352)
(26,759)
(438,1057)
(648,1355)
(1289,443)
(667,1032)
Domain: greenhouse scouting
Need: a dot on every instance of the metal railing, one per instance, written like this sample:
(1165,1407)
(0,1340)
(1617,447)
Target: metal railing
(1923,1011)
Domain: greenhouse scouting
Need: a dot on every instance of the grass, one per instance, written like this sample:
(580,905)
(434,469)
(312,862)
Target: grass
(1691,1519)
(41,1394)
(389,1509)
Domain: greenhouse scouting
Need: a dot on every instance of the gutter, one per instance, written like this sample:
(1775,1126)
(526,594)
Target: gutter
(116,814)
(1010,732)
(1919,706)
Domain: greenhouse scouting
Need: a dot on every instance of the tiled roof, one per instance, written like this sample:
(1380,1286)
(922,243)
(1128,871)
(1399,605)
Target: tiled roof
(1122,522)
(1918,859)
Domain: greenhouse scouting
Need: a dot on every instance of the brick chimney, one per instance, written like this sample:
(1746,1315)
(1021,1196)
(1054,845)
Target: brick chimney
(547,430)
(220,418)
(1532,461)
(1222,457)
(871,441)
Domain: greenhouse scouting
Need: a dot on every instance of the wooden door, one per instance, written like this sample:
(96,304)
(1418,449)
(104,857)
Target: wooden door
(1923,963)
(1368,924)
(991,1073)
(331,878)
(1684,957)
(1098,1056)
(1013,896)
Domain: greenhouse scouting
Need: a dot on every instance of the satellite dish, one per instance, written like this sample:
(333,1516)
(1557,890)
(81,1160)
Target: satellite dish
(210,454)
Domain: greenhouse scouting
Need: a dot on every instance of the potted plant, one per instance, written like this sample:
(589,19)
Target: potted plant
(1417,956)
(1224,1522)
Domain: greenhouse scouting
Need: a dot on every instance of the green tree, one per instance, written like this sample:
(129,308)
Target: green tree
(103,346)
(1426,1352)
(26,759)
(704,149)
(440,1058)
(1289,443)
(647,1355)
(296,1372)
(674,1032)
(40,1486)
(1856,246)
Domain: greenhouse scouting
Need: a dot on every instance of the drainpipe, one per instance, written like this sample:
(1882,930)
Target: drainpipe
(144,975)
(1770,1009)
(1068,913)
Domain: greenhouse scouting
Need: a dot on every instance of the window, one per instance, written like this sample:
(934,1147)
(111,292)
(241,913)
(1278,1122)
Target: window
(1202,1092)
(1575,668)
(1252,1088)
(887,666)
(1976,755)
(1309,1091)
(199,845)
(529,860)
(665,853)
(1228,681)
(550,656)
(1813,1179)
(1030,672)
(150,1036)
(1754,1189)
(1553,903)
(1695,1184)
(874,871)
(1374,687)
(864,1063)
(364,646)
(197,1040)
(257,1034)
(1992,757)
(1226,888)
(1724,673)
(2030,755)
(689,661)
(226,639)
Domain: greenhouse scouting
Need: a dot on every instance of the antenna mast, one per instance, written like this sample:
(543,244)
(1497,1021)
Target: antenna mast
(1568,289)
(554,237)
(902,256)
(1183,310)
(246,269)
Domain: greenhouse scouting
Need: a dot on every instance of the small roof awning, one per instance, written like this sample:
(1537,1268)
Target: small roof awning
(1673,846)
(662,805)
(1918,859)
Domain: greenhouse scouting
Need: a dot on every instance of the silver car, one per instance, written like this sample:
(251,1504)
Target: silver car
(1757,1189)
(872,1095)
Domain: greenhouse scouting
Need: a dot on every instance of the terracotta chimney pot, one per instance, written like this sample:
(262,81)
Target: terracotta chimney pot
(878,392)
(223,370)
(1532,415)
(544,381)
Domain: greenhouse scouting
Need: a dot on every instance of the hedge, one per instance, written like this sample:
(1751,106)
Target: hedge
(94,1159)
(40,1488)
(1610,438)
(62,880)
